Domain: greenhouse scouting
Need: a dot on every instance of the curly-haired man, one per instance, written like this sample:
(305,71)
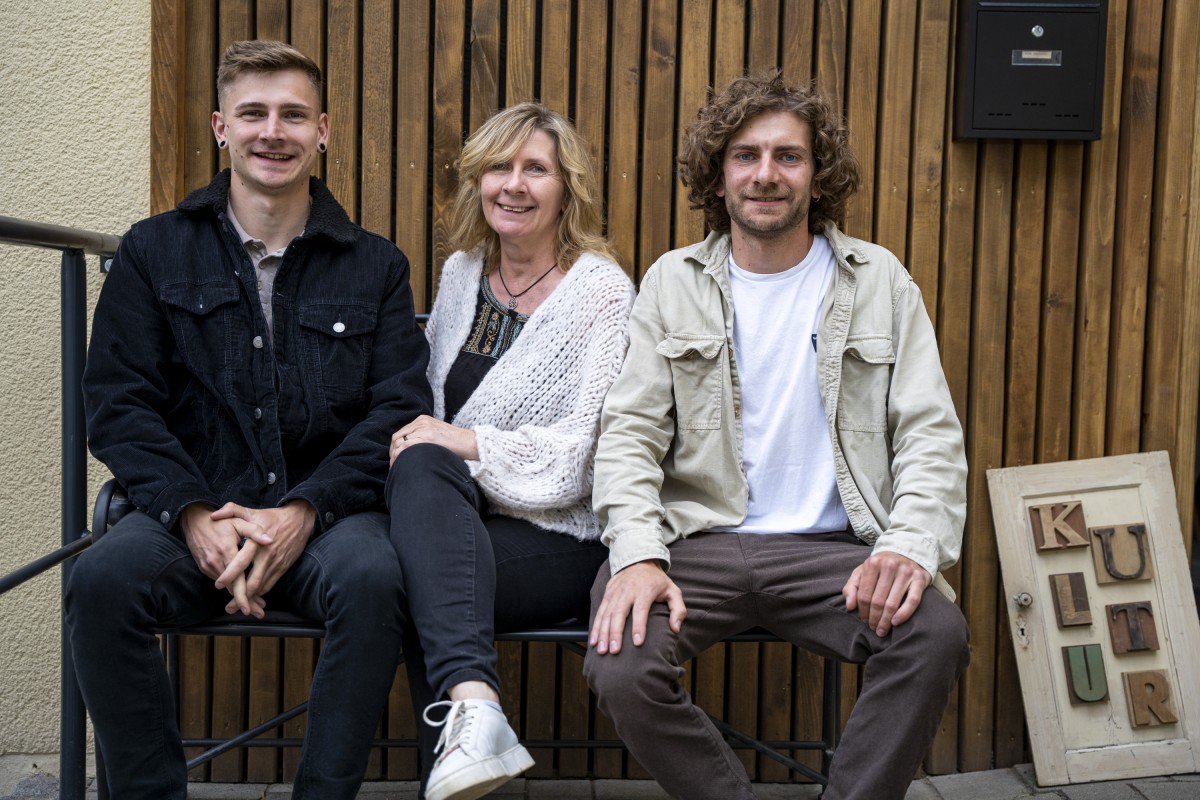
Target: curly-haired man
(783,440)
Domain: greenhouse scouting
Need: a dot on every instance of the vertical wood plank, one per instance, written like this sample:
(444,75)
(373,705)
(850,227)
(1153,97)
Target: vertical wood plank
(200,96)
(521,52)
(228,705)
(808,687)
(895,128)
(555,89)
(271,20)
(449,19)
(861,101)
(775,698)
(591,90)
(234,23)
(574,715)
(832,24)
(401,723)
(1135,184)
(797,41)
(625,75)
(741,709)
(1064,209)
(658,131)
(413,147)
(308,36)
(541,697)
(485,61)
(342,91)
(262,763)
(1164,414)
(378,96)
(695,34)
(1189,392)
(1097,253)
(195,696)
(985,447)
(763,49)
(167,99)
(299,663)
(728,38)
(928,149)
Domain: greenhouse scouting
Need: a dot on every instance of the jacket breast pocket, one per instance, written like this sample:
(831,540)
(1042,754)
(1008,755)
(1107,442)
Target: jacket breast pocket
(867,363)
(199,314)
(697,372)
(337,345)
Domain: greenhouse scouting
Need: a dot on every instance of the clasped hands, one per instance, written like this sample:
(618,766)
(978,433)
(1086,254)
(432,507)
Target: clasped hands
(885,590)
(246,550)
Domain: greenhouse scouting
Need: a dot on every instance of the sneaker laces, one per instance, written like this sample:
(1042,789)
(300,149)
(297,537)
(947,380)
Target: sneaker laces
(456,725)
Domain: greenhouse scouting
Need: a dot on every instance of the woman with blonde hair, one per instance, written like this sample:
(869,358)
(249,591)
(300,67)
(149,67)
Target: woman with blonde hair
(490,496)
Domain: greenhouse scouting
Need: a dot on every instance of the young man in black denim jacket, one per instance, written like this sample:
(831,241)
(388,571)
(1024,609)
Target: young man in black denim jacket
(252,353)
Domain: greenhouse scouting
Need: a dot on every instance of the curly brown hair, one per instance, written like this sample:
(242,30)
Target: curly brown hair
(700,158)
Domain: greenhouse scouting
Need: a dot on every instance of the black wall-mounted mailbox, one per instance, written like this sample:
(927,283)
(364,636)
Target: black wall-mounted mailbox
(1030,69)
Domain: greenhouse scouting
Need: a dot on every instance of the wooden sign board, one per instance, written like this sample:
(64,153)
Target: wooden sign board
(1103,617)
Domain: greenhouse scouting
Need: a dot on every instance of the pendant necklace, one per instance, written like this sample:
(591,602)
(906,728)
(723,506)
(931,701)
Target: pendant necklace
(512,298)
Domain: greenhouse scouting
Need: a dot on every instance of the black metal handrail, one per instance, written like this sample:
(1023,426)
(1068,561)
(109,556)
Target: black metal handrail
(74,243)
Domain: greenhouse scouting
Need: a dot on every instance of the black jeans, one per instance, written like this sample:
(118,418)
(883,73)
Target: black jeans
(469,574)
(140,575)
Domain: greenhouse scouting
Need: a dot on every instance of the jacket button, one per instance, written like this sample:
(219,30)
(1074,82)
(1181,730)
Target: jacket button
(164,517)
(258,413)
(339,327)
(329,517)
(270,478)
(258,343)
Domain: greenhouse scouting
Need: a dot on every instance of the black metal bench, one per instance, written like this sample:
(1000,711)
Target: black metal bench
(111,505)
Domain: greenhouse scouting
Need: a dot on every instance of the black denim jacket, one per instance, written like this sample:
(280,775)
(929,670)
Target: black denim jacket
(188,397)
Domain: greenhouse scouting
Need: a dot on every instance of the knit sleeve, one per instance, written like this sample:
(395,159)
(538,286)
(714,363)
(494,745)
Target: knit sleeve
(536,467)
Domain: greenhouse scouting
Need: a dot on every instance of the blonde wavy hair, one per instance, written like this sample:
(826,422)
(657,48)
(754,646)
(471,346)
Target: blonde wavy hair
(580,229)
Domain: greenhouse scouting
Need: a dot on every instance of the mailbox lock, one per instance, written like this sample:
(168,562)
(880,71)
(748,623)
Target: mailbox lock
(1038,31)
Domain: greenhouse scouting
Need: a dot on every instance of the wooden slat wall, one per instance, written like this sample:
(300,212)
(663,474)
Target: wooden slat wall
(1063,277)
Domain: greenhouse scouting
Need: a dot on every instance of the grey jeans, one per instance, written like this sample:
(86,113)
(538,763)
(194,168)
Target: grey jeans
(792,586)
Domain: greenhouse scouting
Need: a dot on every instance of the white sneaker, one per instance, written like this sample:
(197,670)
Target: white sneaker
(479,751)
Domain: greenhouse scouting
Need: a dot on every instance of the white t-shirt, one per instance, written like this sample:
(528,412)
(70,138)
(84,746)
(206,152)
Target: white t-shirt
(787,451)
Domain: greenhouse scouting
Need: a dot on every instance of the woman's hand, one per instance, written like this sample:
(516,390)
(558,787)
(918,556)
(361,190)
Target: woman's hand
(460,441)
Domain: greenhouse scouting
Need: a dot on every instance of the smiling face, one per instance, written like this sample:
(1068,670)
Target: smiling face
(273,125)
(524,196)
(766,176)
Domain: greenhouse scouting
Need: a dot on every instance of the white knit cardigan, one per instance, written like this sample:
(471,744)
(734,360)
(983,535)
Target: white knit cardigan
(536,414)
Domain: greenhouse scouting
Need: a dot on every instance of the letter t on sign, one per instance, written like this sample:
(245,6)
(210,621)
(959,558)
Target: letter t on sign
(1058,525)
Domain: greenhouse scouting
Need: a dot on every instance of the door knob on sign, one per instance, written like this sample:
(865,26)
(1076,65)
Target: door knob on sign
(1024,599)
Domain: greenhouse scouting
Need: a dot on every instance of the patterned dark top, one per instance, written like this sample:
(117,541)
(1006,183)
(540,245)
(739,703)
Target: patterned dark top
(493,332)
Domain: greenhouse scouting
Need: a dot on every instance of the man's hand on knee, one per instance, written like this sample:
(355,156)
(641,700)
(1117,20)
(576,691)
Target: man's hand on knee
(630,594)
(885,590)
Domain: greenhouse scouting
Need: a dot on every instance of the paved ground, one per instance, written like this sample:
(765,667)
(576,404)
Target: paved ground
(999,784)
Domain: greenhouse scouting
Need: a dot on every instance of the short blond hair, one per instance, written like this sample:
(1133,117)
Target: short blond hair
(580,229)
(261,55)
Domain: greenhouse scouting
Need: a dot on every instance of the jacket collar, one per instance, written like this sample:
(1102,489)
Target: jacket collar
(327,218)
(713,252)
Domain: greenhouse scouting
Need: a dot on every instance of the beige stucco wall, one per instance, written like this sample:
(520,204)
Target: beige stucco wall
(75,150)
